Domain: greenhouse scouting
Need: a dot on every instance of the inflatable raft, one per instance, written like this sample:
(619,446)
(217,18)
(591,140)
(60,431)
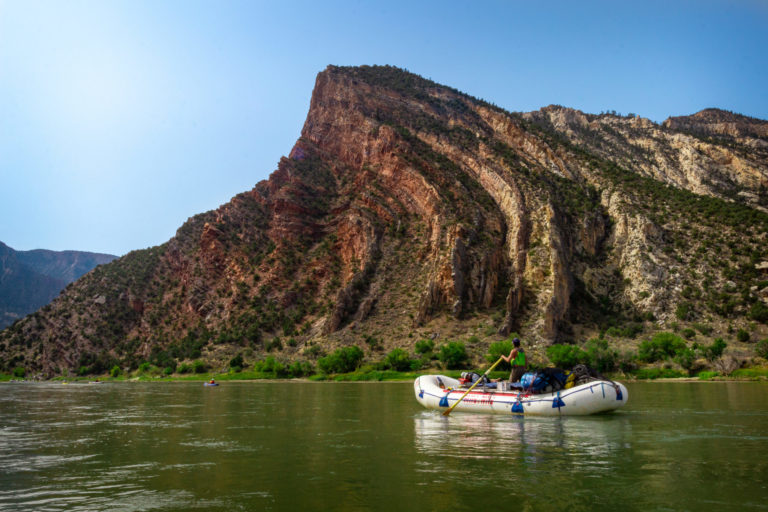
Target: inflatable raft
(439,392)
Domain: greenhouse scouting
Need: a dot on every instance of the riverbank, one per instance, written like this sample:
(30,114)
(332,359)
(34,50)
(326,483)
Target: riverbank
(645,374)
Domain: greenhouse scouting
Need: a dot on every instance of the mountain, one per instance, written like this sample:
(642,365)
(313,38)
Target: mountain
(31,279)
(407,209)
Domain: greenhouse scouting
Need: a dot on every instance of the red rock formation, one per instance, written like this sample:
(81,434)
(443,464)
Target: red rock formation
(408,208)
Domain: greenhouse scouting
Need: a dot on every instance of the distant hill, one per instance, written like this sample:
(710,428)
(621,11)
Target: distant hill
(31,279)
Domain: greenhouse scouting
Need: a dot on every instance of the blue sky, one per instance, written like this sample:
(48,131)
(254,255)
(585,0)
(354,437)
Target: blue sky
(121,119)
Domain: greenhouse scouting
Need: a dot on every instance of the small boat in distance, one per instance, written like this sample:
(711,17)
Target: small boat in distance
(210,383)
(589,397)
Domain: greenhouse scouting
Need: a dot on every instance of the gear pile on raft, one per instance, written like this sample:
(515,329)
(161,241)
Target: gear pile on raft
(547,392)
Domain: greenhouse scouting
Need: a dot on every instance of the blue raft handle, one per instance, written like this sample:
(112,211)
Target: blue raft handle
(557,401)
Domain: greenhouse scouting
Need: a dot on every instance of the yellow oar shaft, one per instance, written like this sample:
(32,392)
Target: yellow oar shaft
(489,370)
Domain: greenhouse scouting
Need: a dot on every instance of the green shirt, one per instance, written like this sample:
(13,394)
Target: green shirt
(519,359)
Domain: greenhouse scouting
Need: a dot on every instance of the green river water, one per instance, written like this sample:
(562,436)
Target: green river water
(300,446)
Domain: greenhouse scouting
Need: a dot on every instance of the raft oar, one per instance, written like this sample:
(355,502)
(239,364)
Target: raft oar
(489,370)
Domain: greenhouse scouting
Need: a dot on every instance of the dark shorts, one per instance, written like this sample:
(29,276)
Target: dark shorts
(516,374)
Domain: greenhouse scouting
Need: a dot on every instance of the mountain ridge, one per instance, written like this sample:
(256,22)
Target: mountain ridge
(407,209)
(31,279)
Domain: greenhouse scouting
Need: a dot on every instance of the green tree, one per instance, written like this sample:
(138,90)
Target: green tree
(453,354)
(199,366)
(236,363)
(663,345)
(424,346)
(601,357)
(715,350)
(300,369)
(685,358)
(342,360)
(567,356)
(270,365)
(398,360)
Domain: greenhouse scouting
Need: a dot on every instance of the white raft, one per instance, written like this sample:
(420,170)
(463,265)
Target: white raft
(439,392)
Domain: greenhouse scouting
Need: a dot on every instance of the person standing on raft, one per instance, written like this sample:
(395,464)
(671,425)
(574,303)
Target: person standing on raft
(516,358)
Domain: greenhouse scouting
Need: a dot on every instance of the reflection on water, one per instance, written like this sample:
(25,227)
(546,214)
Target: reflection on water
(517,439)
(358,447)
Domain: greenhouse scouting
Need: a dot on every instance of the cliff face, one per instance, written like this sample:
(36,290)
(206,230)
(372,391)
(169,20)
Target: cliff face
(31,279)
(713,152)
(407,209)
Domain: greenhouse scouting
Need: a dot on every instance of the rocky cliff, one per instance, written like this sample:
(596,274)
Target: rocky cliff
(408,209)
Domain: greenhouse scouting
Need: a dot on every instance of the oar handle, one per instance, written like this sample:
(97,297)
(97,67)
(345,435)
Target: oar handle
(489,370)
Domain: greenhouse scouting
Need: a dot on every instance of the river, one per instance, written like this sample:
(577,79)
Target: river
(302,446)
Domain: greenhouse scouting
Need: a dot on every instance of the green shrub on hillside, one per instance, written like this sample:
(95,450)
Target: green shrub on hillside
(271,366)
(759,312)
(685,358)
(314,351)
(199,366)
(236,364)
(684,311)
(629,330)
(274,344)
(742,335)
(300,369)
(424,346)
(600,356)
(715,350)
(343,360)
(453,354)
(373,342)
(567,356)
(762,348)
(162,359)
(626,361)
(398,360)
(663,345)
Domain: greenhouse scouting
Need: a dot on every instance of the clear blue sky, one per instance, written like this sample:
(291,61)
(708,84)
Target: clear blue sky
(120,119)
